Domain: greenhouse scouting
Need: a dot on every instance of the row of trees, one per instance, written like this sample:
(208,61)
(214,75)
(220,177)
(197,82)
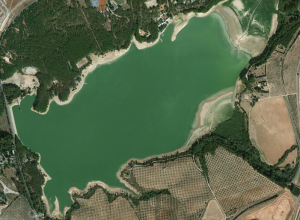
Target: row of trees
(33,177)
(234,137)
(12,92)
(2,104)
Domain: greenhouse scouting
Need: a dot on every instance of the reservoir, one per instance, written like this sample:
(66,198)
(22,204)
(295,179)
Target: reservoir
(141,105)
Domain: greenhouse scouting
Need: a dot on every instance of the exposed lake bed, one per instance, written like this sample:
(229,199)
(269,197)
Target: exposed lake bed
(143,104)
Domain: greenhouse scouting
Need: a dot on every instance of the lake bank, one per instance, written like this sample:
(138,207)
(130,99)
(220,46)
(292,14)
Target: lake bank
(141,105)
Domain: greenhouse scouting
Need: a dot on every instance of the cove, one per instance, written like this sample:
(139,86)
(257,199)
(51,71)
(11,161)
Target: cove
(141,105)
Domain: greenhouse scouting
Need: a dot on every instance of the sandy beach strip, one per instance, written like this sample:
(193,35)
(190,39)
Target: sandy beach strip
(180,21)
(47,178)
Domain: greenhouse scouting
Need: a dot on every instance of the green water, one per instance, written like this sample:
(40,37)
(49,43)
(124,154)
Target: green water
(140,105)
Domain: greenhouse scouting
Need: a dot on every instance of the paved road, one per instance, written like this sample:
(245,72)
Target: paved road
(13,132)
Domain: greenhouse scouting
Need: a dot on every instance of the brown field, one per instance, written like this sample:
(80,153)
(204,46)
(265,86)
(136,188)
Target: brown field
(271,129)
(181,177)
(19,209)
(235,183)
(161,207)
(98,207)
(10,4)
(4,126)
(273,74)
(213,211)
(290,68)
(292,101)
(281,209)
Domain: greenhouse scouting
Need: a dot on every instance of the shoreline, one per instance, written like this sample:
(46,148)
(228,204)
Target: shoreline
(107,58)
(47,178)
(197,129)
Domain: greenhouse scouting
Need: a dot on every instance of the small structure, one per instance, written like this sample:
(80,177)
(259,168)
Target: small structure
(102,4)
(95,3)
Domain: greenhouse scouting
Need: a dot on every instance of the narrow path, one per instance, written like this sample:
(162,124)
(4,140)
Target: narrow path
(13,132)
(225,217)
(89,26)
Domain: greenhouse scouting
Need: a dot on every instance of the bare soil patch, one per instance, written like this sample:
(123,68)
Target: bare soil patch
(282,209)
(82,62)
(235,183)
(98,207)
(213,211)
(19,209)
(273,74)
(271,129)
(4,125)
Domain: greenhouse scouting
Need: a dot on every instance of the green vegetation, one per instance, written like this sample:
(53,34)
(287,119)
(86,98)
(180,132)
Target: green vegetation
(294,190)
(288,24)
(113,196)
(285,155)
(75,206)
(2,104)
(32,176)
(54,35)
(12,91)
(3,198)
(234,137)
(6,141)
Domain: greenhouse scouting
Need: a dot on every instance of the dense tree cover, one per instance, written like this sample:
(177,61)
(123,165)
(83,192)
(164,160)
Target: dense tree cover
(285,155)
(3,198)
(6,141)
(2,104)
(234,137)
(12,91)
(54,35)
(32,176)
(294,190)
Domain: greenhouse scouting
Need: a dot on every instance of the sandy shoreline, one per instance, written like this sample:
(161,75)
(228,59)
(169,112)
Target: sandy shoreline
(47,178)
(197,130)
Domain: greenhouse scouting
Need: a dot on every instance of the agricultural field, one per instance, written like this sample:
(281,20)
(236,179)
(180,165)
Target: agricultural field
(98,207)
(4,126)
(19,209)
(292,102)
(271,130)
(181,177)
(235,183)
(290,67)
(273,74)
(280,208)
(213,211)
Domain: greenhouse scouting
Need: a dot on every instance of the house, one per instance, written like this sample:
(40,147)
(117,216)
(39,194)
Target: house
(102,4)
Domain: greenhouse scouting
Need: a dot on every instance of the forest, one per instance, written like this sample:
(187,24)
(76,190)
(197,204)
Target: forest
(54,35)
(234,137)
(33,177)
(2,104)
(12,91)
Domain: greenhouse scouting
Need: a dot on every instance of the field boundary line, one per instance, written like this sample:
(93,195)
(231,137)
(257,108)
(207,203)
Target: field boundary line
(225,217)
